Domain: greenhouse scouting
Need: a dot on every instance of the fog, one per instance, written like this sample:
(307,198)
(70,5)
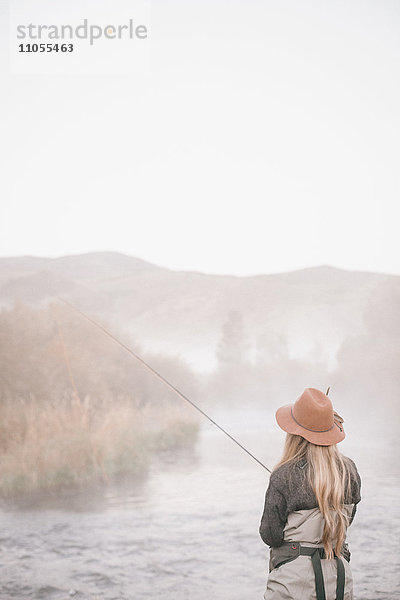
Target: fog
(222,197)
(112,486)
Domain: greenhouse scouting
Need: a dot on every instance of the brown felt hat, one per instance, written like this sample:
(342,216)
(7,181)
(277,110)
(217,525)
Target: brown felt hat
(312,416)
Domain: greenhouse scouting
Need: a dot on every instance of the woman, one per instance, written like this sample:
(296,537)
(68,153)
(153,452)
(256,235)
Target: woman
(310,501)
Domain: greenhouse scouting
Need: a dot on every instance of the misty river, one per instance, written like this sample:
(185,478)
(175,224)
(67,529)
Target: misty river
(189,527)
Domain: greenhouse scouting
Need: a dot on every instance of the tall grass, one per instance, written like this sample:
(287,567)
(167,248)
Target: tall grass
(45,445)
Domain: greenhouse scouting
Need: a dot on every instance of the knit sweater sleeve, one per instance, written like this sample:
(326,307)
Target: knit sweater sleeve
(355,480)
(274,516)
(355,483)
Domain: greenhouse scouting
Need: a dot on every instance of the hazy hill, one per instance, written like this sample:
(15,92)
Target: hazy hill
(182,312)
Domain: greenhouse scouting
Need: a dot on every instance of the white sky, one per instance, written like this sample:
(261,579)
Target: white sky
(263,137)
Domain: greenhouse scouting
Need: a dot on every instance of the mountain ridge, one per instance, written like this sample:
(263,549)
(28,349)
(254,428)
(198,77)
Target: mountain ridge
(182,312)
(104,254)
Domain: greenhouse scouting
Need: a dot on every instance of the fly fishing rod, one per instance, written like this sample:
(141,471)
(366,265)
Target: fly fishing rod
(165,381)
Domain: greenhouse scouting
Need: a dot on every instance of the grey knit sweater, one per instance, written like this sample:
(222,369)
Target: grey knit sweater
(289,490)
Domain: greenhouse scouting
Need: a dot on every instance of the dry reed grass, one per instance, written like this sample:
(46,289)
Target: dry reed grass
(44,445)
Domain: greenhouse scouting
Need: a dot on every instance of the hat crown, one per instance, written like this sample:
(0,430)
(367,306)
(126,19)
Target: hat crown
(313,410)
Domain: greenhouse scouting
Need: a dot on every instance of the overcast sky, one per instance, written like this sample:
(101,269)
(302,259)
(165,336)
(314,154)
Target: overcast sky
(263,136)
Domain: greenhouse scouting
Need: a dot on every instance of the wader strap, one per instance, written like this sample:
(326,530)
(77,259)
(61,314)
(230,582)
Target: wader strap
(316,563)
(340,579)
(291,550)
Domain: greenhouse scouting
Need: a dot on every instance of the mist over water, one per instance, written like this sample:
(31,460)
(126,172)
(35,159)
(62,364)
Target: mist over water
(189,528)
(259,137)
(113,488)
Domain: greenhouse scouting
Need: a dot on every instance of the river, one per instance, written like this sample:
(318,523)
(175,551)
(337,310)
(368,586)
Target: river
(189,527)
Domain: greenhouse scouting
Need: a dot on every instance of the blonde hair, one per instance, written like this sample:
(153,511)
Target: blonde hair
(329,476)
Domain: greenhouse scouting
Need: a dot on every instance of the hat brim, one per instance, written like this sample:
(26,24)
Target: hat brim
(286,422)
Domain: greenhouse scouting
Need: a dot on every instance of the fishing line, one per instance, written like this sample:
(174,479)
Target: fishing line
(165,381)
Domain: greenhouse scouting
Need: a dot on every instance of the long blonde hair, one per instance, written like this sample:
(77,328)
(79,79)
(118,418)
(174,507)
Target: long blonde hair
(329,476)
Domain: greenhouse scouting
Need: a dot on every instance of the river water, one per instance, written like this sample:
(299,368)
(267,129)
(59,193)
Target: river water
(189,528)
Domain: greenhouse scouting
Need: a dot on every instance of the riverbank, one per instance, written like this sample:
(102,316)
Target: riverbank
(51,446)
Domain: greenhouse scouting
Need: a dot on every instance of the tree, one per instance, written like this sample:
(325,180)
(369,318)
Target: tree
(232,346)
